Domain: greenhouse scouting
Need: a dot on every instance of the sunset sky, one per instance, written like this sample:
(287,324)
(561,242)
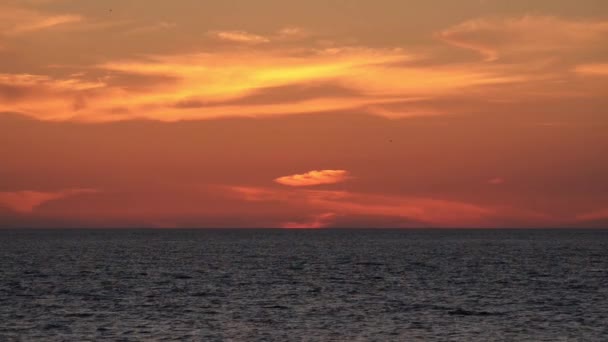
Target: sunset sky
(304,114)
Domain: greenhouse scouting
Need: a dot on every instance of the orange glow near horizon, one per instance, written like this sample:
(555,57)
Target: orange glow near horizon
(303,115)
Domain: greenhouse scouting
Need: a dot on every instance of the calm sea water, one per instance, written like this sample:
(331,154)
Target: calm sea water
(273,285)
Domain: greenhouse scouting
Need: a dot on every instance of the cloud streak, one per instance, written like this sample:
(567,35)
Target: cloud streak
(45,23)
(27,201)
(425,211)
(593,69)
(257,83)
(601,214)
(495,38)
(316,222)
(17,21)
(239,37)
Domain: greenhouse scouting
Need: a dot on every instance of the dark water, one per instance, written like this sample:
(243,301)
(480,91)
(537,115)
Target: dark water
(304,285)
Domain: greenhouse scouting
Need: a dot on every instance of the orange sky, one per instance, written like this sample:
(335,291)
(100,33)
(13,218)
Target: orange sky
(324,113)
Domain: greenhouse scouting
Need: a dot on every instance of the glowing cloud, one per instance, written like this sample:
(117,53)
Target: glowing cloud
(313,178)
(30,93)
(208,80)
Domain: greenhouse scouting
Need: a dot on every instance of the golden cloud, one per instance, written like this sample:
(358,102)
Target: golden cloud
(313,178)
(253,83)
(45,97)
(279,79)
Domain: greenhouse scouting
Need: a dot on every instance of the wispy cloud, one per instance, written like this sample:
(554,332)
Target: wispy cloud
(497,181)
(27,201)
(153,28)
(317,221)
(496,38)
(292,93)
(428,211)
(292,33)
(256,75)
(286,34)
(600,214)
(207,80)
(45,23)
(16,20)
(54,98)
(593,69)
(239,37)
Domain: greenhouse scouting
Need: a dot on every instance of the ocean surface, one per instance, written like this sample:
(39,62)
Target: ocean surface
(304,285)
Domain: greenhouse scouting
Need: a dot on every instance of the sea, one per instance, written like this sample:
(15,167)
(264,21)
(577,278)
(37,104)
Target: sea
(304,285)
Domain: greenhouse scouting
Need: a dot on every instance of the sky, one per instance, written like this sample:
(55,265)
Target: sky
(309,114)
